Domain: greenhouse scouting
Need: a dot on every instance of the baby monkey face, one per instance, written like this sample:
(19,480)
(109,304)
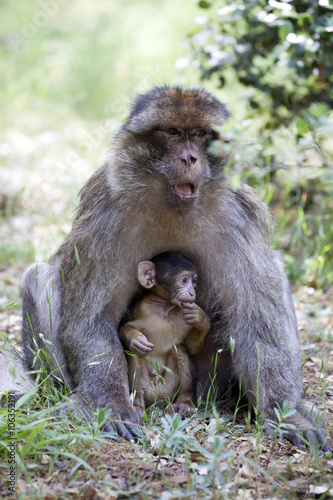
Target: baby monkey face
(183,289)
(171,277)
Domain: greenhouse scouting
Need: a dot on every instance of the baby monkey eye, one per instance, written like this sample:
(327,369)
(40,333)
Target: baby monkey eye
(200,133)
(183,280)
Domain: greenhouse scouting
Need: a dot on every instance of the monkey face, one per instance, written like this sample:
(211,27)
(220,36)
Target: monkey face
(183,289)
(184,151)
(170,276)
(173,129)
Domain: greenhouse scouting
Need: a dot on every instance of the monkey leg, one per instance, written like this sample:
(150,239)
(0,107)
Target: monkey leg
(274,376)
(41,300)
(100,371)
(181,359)
(163,386)
(277,379)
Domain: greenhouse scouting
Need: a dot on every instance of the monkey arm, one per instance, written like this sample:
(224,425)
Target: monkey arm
(200,323)
(86,362)
(134,340)
(100,374)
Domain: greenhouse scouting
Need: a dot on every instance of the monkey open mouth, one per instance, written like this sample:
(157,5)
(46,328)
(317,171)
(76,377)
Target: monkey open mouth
(186,191)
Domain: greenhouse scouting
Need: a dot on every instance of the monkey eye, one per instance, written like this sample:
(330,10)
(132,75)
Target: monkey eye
(183,280)
(200,133)
(173,131)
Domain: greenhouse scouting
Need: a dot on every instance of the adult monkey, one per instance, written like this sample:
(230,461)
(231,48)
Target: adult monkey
(161,189)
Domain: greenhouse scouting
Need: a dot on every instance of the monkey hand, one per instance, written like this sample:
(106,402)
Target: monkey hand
(195,316)
(140,346)
(184,409)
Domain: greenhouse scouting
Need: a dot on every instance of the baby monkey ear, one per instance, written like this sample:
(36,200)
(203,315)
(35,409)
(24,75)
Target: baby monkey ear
(146,273)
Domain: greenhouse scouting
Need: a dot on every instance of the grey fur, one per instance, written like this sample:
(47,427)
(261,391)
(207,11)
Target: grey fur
(14,378)
(42,286)
(126,215)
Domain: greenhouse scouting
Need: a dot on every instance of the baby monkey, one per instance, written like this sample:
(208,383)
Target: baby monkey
(167,323)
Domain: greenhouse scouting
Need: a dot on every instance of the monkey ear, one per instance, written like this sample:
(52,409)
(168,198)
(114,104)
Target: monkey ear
(147,273)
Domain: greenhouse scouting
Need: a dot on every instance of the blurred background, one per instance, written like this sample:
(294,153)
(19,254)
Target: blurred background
(69,70)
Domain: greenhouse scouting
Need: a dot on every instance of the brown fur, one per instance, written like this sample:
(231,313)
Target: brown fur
(128,213)
(166,326)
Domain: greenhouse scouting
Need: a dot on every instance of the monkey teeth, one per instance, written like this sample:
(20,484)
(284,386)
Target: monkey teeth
(186,190)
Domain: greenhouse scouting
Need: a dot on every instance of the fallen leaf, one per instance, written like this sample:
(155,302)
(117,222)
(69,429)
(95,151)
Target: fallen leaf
(214,425)
(89,493)
(319,490)
(178,479)
(50,494)
(246,469)
(45,459)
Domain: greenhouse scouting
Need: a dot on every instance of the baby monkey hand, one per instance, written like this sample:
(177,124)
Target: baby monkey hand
(139,345)
(195,316)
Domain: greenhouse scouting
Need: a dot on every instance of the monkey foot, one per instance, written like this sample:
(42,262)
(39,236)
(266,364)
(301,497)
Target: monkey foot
(184,409)
(139,411)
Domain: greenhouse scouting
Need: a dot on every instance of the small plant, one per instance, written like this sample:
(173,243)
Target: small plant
(172,438)
(280,427)
(103,416)
(232,345)
(215,474)
(210,399)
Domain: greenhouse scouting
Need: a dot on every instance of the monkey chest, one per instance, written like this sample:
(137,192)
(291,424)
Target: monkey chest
(170,331)
(166,333)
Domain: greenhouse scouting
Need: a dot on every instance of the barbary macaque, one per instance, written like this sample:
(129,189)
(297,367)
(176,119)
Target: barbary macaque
(162,189)
(166,326)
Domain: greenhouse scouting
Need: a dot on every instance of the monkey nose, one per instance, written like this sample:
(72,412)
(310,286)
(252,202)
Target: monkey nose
(188,160)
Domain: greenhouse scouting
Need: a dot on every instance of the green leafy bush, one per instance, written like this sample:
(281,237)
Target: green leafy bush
(281,49)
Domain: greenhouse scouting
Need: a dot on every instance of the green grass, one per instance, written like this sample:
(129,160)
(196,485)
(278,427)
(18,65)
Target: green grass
(217,455)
